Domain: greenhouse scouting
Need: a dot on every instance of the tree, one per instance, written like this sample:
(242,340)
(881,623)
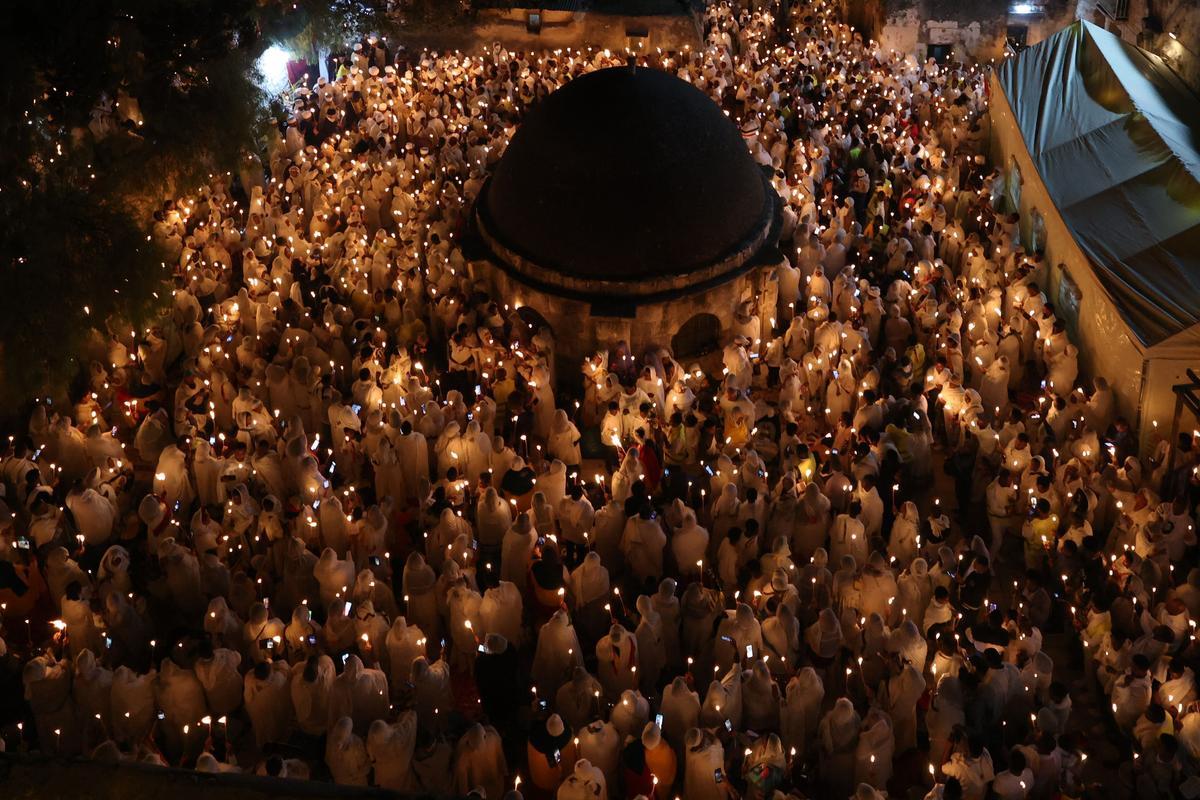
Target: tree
(107,110)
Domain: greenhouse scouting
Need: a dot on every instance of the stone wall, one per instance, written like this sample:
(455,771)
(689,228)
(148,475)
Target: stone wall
(578,29)
(1149,25)
(579,330)
(974,28)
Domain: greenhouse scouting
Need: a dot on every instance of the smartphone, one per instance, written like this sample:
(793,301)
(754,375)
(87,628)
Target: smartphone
(347,611)
(658,719)
(356,408)
(311,639)
(543,704)
(728,726)
(161,715)
(749,651)
(481,649)
(374,561)
(23,543)
(555,757)
(719,775)
(345,658)
(270,644)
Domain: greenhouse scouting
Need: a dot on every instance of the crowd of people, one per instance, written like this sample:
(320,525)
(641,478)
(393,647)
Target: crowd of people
(337,515)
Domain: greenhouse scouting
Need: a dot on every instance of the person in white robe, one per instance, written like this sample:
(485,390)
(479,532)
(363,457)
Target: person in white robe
(557,655)
(390,747)
(346,754)
(267,696)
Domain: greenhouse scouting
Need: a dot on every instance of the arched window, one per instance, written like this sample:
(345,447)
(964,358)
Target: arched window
(698,336)
(534,322)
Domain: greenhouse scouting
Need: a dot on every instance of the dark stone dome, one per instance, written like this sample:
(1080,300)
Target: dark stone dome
(623,176)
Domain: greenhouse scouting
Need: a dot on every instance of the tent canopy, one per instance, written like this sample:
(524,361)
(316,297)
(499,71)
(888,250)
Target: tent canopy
(1113,134)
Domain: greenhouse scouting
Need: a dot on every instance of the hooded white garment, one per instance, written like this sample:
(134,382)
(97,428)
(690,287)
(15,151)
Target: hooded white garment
(585,783)
(335,576)
(905,533)
(433,691)
(564,440)
(500,612)
(476,453)
(390,747)
(133,704)
(1131,696)
(114,571)
(589,581)
(906,641)
(607,528)
(703,756)
(681,711)
(172,483)
(649,634)
(440,541)
(262,633)
(878,588)
(479,762)
(414,460)
(944,715)
(222,681)
(847,536)
(616,655)
(48,691)
(578,700)
(600,744)
(800,713)
(360,693)
(993,391)
(875,750)
(81,631)
(493,518)
(420,596)
(838,739)
(310,698)
(223,625)
(94,516)
(689,544)
(913,593)
(824,637)
(630,714)
(642,544)
(180,696)
(346,754)
(208,468)
(296,634)
(723,701)
(902,693)
(812,522)
(333,523)
(760,699)
(466,626)
(781,640)
(268,702)
(182,569)
(91,687)
(557,656)
(516,552)
(404,644)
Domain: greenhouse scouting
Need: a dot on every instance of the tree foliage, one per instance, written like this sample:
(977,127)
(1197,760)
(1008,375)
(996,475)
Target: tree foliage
(76,208)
